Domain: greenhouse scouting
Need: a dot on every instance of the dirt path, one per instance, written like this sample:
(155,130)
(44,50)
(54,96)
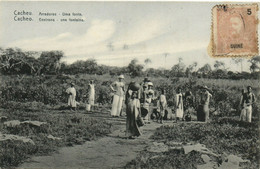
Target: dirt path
(112,151)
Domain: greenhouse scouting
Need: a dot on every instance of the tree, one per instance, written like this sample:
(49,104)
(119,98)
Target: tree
(219,64)
(190,69)
(255,64)
(91,66)
(50,62)
(147,61)
(178,69)
(16,61)
(238,61)
(134,68)
(205,70)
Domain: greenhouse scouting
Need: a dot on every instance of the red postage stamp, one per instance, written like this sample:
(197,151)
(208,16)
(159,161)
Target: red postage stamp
(234,30)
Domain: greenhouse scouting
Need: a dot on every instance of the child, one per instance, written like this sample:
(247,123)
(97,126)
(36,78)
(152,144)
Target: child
(163,104)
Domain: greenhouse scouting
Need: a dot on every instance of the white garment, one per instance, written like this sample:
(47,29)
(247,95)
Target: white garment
(119,88)
(179,110)
(162,104)
(248,110)
(91,94)
(117,105)
(136,104)
(243,114)
(72,97)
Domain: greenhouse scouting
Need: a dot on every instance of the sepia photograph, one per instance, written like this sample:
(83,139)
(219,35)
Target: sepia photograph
(133,84)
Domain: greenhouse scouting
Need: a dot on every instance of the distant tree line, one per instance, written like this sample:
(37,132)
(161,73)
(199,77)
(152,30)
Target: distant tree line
(15,61)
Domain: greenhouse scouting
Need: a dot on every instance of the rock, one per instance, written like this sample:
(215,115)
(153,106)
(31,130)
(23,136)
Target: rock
(12,123)
(53,138)
(196,147)
(157,156)
(4,137)
(205,158)
(199,148)
(232,162)
(34,123)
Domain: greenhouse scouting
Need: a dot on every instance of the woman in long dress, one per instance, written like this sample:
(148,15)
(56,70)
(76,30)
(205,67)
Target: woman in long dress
(132,111)
(179,105)
(72,96)
(91,95)
(118,87)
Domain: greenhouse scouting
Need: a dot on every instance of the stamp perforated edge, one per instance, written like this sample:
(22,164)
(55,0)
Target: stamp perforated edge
(211,47)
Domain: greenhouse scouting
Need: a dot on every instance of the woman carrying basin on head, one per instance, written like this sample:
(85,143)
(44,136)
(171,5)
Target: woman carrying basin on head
(133,117)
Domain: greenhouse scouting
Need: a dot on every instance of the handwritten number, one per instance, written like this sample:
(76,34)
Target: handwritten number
(249,12)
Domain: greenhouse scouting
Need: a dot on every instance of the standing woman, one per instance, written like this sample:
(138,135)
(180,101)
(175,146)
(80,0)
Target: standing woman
(91,95)
(71,91)
(132,110)
(179,105)
(205,100)
(118,87)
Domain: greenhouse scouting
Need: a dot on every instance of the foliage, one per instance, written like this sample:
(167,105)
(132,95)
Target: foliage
(14,61)
(134,68)
(255,63)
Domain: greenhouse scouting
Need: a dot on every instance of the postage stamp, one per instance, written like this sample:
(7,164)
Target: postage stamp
(234,30)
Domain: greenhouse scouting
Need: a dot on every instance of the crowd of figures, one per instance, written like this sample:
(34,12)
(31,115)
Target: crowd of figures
(139,98)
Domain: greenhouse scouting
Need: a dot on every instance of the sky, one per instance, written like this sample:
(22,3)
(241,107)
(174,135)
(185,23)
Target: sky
(114,33)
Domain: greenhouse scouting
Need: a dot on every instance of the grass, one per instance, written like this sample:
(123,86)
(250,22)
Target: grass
(73,128)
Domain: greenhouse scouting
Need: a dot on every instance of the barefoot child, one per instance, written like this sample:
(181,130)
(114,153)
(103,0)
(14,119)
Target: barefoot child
(163,104)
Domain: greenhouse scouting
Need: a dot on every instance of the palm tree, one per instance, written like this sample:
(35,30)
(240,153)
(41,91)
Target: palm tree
(147,61)
(237,61)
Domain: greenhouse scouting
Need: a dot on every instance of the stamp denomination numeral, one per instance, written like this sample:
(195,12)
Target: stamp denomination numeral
(249,12)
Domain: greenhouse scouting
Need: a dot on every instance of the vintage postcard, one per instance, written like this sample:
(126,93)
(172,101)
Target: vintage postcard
(129,84)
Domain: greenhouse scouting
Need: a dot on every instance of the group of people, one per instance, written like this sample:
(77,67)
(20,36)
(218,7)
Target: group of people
(71,91)
(139,99)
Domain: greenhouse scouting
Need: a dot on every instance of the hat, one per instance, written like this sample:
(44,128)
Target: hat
(121,77)
(150,84)
(146,79)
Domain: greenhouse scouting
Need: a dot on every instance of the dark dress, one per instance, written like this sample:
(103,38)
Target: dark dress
(132,112)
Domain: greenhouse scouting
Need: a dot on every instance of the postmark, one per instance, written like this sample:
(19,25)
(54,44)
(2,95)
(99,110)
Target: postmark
(234,30)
